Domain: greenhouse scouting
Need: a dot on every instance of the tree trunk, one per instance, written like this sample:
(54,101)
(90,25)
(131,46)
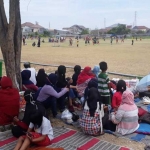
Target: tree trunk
(10,38)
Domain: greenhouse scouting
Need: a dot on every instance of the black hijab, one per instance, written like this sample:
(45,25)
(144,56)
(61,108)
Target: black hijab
(93,98)
(61,77)
(41,78)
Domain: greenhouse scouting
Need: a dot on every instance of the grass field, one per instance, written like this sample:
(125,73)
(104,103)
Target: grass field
(121,57)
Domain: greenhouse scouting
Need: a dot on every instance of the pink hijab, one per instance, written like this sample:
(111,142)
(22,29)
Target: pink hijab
(127,98)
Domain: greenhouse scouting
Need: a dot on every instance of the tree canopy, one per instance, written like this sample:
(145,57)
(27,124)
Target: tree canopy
(121,29)
(85,32)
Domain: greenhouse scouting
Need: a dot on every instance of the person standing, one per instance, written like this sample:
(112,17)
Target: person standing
(24,42)
(77,43)
(132,40)
(39,42)
(103,84)
(111,40)
(116,40)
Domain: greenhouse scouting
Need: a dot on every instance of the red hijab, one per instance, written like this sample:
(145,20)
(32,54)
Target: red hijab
(85,75)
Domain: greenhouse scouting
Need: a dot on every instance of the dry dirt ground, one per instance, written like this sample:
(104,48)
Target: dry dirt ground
(121,58)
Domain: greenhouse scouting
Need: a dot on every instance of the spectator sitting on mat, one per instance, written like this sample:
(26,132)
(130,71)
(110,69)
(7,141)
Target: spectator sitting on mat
(9,101)
(117,96)
(91,120)
(26,83)
(40,132)
(83,79)
(77,70)
(96,70)
(126,112)
(47,95)
(21,126)
(41,78)
(27,66)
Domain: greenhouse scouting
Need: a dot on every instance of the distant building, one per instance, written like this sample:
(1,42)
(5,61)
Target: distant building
(76,29)
(129,27)
(54,32)
(29,28)
(140,28)
(113,26)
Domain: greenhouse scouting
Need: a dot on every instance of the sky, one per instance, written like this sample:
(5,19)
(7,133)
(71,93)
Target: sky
(89,13)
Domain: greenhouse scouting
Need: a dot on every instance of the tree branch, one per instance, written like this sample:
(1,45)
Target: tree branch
(18,41)
(3,21)
(12,4)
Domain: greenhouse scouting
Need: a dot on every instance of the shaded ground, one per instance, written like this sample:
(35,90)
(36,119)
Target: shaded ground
(107,137)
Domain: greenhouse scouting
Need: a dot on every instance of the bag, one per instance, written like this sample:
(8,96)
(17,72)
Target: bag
(142,94)
(67,116)
(75,116)
(145,118)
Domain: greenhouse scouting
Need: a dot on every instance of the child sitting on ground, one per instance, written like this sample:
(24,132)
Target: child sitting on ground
(33,44)
(117,97)
(42,134)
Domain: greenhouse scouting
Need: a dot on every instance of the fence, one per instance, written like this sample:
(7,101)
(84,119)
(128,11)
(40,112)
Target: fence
(51,68)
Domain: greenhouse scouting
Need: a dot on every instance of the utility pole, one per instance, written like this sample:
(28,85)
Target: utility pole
(104,24)
(49,25)
(135,21)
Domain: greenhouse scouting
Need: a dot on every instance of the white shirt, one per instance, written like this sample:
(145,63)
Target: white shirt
(44,129)
(33,75)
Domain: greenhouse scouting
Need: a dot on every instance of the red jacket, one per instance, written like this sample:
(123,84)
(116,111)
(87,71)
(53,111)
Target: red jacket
(116,100)
(9,101)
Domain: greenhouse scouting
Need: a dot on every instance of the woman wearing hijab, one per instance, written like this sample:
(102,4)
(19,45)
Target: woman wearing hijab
(126,117)
(91,122)
(21,126)
(92,83)
(47,95)
(26,83)
(96,71)
(9,101)
(41,78)
(84,77)
(77,70)
(61,82)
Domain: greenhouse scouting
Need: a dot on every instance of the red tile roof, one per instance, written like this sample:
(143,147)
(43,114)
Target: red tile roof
(140,27)
(31,25)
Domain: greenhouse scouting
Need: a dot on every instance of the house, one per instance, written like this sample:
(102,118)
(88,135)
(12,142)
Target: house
(59,32)
(76,29)
(129,27)
(113,26)
(148,32)
(140,28)
(30,28)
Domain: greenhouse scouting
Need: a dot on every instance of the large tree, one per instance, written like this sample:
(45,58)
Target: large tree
(121,29)
(10,40)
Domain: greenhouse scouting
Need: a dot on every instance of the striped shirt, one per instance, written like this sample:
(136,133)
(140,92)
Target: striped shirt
(126,119)
(103,81)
